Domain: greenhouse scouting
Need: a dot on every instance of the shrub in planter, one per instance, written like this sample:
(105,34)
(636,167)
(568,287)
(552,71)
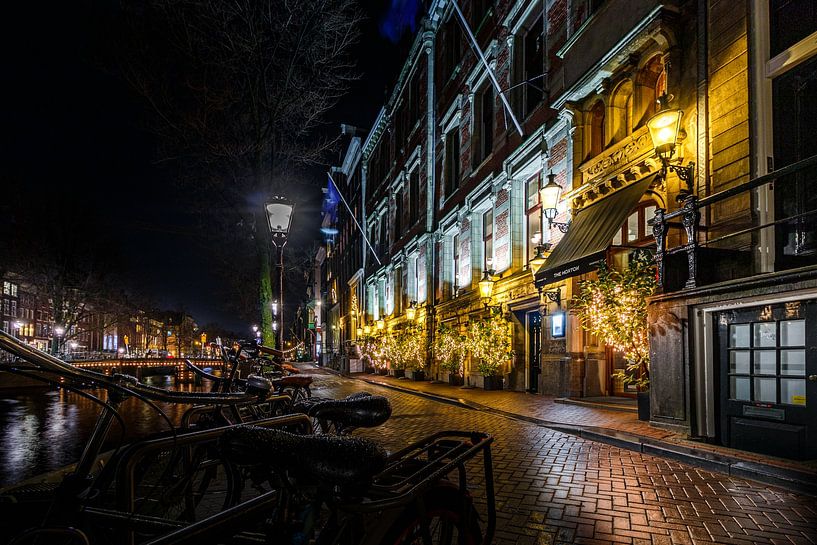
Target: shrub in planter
(493,383)
(455,380)
(409,353)
(450,352)
(490,342)
(416,374)
(614,308)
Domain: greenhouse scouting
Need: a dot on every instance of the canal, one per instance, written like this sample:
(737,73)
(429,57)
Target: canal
(44,429)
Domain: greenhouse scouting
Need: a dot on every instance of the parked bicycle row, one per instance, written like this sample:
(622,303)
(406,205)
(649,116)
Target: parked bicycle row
(257,459)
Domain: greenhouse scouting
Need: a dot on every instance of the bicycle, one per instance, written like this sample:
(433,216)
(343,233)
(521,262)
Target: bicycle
(310,493)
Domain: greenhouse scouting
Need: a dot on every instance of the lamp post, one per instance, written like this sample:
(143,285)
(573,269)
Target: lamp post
(279,218)
(665,127)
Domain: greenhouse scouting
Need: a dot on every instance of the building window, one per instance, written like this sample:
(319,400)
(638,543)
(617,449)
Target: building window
(479,9)
(414,101)
(452,51)
(483,138)
(455,271)
(635,231)
(452,161)
(488,239)
(13,308)
(533,66)
(414,196)
(398,214)
(534,215)
(597,137)
(794,115)
(791,22)
(398,291)
(621,106)
(10,288)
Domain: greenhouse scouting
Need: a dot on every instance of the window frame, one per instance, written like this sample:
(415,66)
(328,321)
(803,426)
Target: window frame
(488,239)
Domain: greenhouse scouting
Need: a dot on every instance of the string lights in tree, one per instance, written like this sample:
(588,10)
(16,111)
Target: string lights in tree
(613,307)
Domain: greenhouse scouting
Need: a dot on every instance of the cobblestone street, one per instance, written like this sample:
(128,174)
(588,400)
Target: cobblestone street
(557,488)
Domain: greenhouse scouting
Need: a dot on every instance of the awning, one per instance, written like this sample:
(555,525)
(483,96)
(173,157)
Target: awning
(591,233)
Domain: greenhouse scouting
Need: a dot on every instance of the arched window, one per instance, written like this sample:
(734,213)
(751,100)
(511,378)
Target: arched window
(621,111)
(597,137)
(651,83)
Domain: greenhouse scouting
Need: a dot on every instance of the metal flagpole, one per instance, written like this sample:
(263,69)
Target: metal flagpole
(491,75)
(359,228)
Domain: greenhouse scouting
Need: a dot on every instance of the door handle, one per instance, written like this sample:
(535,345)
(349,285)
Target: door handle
(812,378)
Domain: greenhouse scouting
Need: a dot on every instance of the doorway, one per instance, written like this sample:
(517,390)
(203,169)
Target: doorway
(534,322)
(767,371)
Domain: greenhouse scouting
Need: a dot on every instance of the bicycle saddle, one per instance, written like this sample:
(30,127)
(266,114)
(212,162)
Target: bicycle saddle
(324,458)
(361,410)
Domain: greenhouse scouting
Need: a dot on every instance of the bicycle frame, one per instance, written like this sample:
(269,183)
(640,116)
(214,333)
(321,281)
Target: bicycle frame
(372,517)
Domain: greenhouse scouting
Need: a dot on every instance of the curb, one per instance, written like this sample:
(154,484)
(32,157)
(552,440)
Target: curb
(789,479)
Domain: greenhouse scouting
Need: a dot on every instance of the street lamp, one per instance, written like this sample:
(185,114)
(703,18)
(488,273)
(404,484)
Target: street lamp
(665,127)
(279,218)
(539,259)
(411,311)
(549,196)
(255,329)
(367,330)
(381,324)
(486,288)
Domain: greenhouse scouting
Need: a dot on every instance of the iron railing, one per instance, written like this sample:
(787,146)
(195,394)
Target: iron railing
(690,214)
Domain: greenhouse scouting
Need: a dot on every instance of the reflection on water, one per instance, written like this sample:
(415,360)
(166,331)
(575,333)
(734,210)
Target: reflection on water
(42,430)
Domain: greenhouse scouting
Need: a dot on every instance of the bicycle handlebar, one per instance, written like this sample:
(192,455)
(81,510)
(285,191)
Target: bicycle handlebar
(47,362)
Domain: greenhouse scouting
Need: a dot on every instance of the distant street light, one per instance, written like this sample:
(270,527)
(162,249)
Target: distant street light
(279,218)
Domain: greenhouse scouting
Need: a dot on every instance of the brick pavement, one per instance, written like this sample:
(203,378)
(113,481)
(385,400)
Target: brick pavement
(546,409)
(556,488)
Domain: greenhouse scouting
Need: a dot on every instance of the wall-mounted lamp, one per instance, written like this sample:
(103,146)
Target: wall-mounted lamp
(549,196)
(411,311)
(665,127)
(538,259)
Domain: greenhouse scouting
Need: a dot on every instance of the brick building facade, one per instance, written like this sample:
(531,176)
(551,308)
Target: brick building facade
(452,168)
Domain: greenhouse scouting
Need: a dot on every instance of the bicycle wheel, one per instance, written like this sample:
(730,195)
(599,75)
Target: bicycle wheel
(450,518)
(186,485)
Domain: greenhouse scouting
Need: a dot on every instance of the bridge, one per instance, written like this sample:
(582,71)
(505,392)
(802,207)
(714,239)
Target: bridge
(146,367)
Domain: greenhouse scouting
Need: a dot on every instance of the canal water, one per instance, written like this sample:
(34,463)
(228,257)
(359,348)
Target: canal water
(43,429)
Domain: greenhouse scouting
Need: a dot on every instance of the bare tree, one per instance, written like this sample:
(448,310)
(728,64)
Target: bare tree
(237,90)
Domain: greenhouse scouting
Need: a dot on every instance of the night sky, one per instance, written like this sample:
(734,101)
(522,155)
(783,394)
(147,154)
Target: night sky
(72,136)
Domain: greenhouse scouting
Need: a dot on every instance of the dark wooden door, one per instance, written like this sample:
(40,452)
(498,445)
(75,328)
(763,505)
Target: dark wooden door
(767,363)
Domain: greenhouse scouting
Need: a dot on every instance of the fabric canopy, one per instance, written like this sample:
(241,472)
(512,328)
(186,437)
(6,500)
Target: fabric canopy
(591,233)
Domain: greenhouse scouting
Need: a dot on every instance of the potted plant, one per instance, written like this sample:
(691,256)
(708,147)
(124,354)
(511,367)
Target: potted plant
(450,352)
(410,352)
(614,308)
(490,342)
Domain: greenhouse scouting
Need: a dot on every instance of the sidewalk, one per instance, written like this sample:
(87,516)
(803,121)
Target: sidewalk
(612,426)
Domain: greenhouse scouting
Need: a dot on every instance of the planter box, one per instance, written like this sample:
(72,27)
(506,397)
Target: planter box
(416,375)
(397,373)
(493,383)
(455,380)
(383,371)
(644,406)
